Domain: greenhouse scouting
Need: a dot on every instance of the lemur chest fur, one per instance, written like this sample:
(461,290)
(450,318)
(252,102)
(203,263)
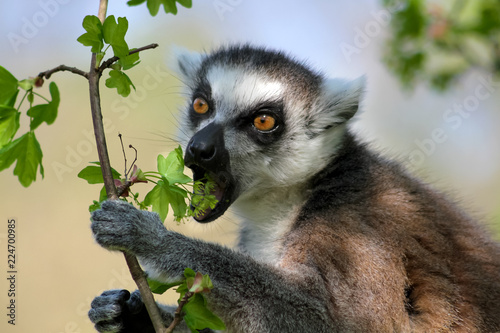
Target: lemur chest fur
(266,219)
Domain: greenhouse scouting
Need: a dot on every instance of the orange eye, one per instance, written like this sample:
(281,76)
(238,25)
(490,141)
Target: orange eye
(264,122)
(200,106)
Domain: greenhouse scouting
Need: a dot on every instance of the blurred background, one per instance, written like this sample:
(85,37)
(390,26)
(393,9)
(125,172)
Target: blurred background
(431,102)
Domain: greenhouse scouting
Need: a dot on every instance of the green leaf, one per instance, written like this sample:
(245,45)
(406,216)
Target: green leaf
(207,283)
(30,97)
(26,84)
(26,150)
(186,3)
(489,21)
(200,283)
(39,113)
(94,42)
(198,316)
(154,5)
(100,56)
(54,94)
(194,282)
(170,6)
(92,24)
(160,287)
(12,101)
(163,195)
(137,175)
(189,273)
(108,29)
(45,112)
(103,195)
(197,282)
(9,124)
(129,61)
(135,2)
(120,81)
(409,19)
(202,198)
(8,86)
(178,202)
(94,35)
(93,174)
(95,206)
(159,198)
(114,35)
(172,167)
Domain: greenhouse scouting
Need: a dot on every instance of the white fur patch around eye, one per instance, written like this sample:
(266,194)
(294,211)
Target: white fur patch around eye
(234,87)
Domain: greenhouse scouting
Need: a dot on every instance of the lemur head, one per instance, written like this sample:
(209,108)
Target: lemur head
(258,120)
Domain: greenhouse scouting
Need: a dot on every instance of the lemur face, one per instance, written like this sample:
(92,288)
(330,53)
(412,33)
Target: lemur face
(237,119)
(255,122)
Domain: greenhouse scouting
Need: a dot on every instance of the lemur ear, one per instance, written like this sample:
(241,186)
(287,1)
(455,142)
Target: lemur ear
(185,62)
(338,102)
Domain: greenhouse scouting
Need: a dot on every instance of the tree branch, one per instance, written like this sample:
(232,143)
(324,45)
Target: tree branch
(122,189)
(95,105)
(178,312)
(103,8)
(112,60)
(102,150)
(61,68)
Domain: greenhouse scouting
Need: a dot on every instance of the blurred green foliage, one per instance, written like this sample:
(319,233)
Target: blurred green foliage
(168,5)
(437,42)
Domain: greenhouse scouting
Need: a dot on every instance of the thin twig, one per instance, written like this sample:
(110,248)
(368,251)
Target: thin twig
(124,156)
(135,159)
(127,170)
(178,312)
(112,60)
(61,68)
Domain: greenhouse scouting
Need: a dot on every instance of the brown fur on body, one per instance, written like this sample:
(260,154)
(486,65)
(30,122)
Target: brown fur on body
(405,259)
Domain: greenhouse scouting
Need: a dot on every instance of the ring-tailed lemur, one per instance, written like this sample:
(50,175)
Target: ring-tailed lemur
(334,238)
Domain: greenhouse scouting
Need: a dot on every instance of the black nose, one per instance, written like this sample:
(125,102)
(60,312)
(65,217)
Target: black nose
(201,150)
(206,148)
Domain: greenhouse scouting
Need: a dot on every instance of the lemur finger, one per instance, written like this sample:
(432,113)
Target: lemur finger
(109,327)
(118,207)
(119,294)
(135,303)
(105,309)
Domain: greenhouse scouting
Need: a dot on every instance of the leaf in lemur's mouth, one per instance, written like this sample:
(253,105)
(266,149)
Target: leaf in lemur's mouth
(207,192)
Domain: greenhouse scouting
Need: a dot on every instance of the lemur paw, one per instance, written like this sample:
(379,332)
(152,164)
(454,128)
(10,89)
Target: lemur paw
(118,311)
(120,226)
